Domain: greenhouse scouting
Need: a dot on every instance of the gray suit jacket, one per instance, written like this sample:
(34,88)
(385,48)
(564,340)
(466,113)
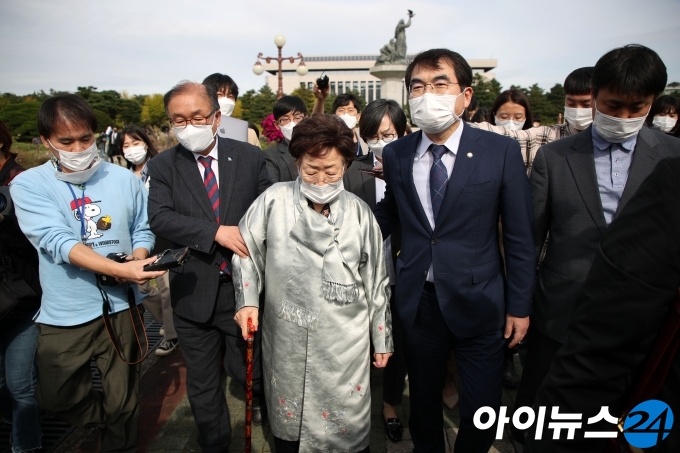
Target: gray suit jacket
(180,211)
(280,163)
(567,205)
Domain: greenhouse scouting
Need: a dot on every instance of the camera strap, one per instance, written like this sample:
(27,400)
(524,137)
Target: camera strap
(80,207)
(137,325)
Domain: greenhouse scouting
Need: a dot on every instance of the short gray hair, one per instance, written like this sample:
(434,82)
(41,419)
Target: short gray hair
(187,86)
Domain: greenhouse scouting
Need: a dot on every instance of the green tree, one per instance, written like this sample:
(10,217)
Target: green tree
(257,106)
(108,101)
(129,112)
(9,98)
(328,104)
(486,91)
(153,111)
(556,96)
(307,97)
(21,119)
(103,120)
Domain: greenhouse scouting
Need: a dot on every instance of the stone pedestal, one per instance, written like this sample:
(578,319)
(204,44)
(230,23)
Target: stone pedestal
(391,81)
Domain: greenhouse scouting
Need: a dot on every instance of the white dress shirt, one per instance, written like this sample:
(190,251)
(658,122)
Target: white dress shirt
(422,164)
(214,166)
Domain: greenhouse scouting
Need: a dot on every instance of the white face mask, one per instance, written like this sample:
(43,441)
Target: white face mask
(510,125)
(78,177)
(434,113)
(579,118)
(616,130)
(287,130)
(664,123)
(195,138)
(349,120)
(226,106)
(321,194)
(135,154)
(377,149)
(77,161)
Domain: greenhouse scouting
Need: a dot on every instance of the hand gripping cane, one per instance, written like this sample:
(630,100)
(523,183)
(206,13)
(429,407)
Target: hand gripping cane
(249,383)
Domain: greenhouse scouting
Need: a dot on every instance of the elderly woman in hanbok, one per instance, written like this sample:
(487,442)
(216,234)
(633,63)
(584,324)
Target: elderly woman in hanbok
(317,253)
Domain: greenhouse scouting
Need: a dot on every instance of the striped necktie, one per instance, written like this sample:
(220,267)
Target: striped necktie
(438,178)
(210,183)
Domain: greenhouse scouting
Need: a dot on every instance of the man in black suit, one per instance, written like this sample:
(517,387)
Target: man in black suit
(447,185)
(579,185)
(288,111)
(198,193)
(617,317)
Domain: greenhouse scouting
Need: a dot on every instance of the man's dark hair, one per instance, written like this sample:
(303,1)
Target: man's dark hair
(65,108)
(632,70)
(220,82)
(318,134)
(186,86)
(482,115)
(663,104)
(373,114)
(578,81)
(517,97)
(473,104)
(431,59)
(288,104)
(343,100)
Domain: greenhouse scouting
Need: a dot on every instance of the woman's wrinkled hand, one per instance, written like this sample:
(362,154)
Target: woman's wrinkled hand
(242,317)
(381,359)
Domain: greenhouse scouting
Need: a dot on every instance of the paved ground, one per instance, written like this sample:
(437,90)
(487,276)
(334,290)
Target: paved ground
(168,426)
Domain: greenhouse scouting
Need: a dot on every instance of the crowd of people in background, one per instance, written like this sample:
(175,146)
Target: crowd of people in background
(436,248)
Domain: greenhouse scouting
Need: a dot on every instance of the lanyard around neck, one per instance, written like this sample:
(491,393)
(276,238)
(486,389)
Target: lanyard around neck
(81,211)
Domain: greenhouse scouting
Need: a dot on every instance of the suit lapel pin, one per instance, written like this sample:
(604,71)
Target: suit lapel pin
(469,154)
(229,159)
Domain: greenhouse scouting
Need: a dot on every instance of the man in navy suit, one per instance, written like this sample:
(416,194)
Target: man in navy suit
(448,185)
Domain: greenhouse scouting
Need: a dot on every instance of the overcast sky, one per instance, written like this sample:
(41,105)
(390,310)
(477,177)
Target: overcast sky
(146,46)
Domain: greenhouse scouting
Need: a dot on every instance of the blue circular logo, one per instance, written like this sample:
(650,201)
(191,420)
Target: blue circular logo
(648,424)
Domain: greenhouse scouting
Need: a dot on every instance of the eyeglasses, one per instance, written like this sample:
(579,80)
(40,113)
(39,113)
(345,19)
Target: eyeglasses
(285,120)
(196,121)
(346,109)
(440,87)
(376,138)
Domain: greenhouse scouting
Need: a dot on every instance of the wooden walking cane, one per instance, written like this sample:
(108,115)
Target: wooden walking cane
(249,383)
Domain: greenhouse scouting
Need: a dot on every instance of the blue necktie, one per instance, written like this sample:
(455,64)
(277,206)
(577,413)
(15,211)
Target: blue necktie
(438,178)
(210,183)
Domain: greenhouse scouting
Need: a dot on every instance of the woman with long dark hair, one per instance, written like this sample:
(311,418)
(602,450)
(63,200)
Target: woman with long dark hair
(511,110)
(663,115)
(138,149)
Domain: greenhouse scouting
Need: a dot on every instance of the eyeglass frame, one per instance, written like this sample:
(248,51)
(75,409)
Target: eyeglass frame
(191,121)
(432,88)
(301,115)
(370,141)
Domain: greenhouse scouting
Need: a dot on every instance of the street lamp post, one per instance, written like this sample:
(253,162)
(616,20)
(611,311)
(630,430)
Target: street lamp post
(280,40)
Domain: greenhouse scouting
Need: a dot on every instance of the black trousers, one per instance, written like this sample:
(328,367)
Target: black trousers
(541,350)
(201,347)
(394,374)
(480,364)
(293,446)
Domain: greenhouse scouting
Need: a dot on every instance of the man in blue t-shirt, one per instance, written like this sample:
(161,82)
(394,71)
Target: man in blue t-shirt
(76,209)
